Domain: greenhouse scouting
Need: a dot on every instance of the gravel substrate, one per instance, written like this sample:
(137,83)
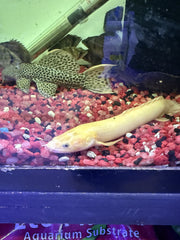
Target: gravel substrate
(29,121)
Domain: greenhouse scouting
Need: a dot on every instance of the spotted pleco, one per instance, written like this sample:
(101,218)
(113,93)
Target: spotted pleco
(59,68)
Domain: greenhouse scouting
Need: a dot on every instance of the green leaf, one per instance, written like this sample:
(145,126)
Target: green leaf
(90,238)
(59,238)
(98,226)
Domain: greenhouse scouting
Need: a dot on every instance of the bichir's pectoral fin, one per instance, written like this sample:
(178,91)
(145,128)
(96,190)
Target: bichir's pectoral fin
(23,84)
(162,119)
(46,89)
(109,143)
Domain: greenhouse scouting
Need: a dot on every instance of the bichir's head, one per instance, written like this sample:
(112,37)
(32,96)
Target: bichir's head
(71,141)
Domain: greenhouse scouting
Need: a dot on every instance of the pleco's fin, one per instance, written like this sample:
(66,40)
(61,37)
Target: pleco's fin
(97,79)
(46,89)
(61,60)
(109,143)
(23,84)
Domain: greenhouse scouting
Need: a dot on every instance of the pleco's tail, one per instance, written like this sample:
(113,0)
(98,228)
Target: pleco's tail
(97,79)
(172,107)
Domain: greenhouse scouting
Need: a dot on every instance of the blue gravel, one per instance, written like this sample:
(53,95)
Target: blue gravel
(4,129)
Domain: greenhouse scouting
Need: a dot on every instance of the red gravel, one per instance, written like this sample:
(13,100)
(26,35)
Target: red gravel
(31,121)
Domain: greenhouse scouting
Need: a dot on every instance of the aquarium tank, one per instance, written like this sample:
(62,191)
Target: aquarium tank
(89,83)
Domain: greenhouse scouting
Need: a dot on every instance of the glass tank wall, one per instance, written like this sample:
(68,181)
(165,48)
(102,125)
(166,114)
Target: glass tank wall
(106,92)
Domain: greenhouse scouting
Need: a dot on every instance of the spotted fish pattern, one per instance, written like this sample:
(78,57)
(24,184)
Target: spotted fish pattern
(59,68)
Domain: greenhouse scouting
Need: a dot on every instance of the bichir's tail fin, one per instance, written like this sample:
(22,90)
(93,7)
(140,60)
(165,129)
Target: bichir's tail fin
(172,107)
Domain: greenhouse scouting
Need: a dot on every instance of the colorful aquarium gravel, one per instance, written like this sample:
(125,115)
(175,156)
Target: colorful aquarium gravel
(29,121)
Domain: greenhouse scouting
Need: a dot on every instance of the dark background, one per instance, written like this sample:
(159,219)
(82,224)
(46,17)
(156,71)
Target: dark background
(157,27)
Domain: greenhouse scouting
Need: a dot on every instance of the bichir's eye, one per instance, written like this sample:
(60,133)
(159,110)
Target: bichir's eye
(66,145)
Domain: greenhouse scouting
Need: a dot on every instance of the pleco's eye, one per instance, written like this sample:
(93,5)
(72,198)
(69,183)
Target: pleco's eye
(66,145)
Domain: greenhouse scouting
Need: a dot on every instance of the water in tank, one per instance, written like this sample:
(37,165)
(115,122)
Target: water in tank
(92,83)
